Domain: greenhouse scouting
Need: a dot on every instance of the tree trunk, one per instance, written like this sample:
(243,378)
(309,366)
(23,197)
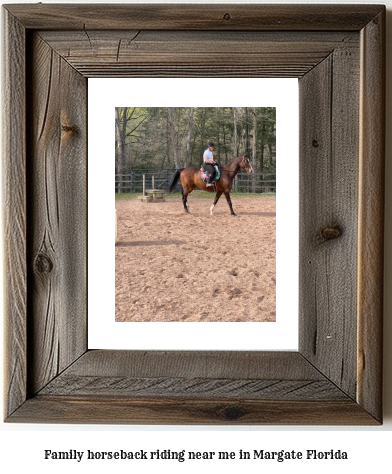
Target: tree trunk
(235,132)
(202,130)
(246,130)
(173,138)
(189,139)
(262,164)
(224,144)
(120,120)
(119,143)
(254,149)
(168,139)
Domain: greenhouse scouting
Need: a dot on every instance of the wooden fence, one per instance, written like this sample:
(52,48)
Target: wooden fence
(133,182)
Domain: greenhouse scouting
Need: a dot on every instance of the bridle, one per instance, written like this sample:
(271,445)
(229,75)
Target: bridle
(244,162)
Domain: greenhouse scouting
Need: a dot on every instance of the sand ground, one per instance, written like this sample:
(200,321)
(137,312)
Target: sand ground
(173,266)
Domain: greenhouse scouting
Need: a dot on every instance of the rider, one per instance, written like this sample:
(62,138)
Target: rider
(209,163)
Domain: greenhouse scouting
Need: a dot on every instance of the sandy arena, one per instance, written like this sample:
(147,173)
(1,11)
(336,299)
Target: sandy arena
(178,267)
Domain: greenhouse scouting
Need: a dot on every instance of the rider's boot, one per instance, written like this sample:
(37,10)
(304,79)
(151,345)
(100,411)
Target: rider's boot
(210,181)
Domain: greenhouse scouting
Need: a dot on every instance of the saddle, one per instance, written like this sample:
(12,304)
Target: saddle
(204,175)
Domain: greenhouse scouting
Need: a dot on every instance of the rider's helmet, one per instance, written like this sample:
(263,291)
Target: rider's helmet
(210,144)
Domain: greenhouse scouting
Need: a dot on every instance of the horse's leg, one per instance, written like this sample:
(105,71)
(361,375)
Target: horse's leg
(228,199)
(184,199)
(218,195)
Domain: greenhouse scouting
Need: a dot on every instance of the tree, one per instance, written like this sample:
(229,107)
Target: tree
(246,130)
(254,142)
(158,137)
(173,137)
(120,141)
(188,142)
(235,131)
(126,122)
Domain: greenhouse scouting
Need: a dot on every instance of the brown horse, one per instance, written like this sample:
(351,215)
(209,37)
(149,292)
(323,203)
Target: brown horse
(190,180)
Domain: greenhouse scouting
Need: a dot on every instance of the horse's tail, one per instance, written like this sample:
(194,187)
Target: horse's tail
(175,179)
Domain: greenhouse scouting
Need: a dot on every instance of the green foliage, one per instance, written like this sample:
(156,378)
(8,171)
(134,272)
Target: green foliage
(144,139)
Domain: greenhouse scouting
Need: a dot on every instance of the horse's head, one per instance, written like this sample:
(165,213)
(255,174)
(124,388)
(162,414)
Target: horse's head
(245,163)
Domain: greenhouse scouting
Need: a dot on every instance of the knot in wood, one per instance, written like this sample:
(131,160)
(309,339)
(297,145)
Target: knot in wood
(328,233)
(68,128)
(43,264)
(232,413)
(227,16)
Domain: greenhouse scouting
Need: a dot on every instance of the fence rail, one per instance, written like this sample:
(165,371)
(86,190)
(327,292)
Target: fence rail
(133,182)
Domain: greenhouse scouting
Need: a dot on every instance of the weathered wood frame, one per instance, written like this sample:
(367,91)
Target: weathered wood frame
(337,52)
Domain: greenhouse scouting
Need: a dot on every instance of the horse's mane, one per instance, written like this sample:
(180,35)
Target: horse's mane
(245,155)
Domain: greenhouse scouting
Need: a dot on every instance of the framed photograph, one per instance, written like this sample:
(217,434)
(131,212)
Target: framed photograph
(337,53)
(201,266)
(161,270)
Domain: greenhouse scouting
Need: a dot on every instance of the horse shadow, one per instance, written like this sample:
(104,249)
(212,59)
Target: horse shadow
(149,243)
(261,214)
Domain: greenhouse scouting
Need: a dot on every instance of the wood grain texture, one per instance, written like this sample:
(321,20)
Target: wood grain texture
(195,17)
(102,409)
(208,375)
(57,197)
(208,364)
(192,387)
(335,378)
(329,97)
(168,53)
(14,208)
(371,216)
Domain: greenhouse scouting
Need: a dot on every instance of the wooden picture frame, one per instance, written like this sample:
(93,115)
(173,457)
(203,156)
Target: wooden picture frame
(338,54)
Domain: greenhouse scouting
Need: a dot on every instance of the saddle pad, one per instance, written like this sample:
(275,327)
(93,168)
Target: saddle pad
(204,175)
